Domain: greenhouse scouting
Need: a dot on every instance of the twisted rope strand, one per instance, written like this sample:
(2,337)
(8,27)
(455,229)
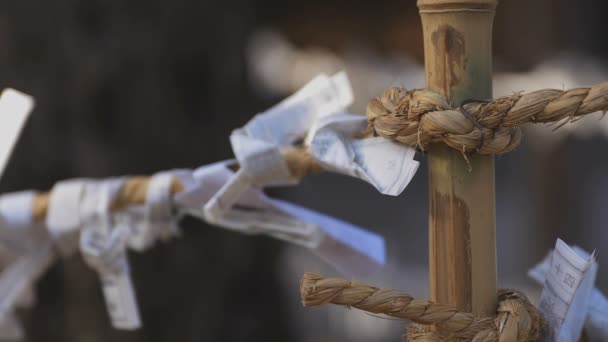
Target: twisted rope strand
(516,317)
(134,191)
(420,117)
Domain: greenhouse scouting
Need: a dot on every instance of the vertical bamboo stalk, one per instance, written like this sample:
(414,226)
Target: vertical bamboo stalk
(462,228)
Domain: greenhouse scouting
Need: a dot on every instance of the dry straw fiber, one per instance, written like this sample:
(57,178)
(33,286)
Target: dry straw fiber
(420,117)
(516,319)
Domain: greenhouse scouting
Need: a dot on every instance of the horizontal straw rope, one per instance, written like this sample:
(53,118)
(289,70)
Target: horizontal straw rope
(420,117)
(516,319)
(135,188)
(133,192)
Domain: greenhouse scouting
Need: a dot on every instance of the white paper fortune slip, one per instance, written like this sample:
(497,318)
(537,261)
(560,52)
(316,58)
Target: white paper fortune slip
(63,219)
(385,164)
(32,254)
(155,220)
(15,108)
(568,276)
(294,117)
(351,249)
(17,277)
(18,232)
(257,146)
(103,246)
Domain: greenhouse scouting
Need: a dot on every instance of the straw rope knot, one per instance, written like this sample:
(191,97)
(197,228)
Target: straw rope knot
(419,117)
(516,319)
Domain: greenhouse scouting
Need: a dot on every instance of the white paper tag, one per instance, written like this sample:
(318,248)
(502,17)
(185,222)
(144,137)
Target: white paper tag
(270,222)
(349,248)
(221,203)
(565,296)
(386,165)
(207,180)
(294,117)
(103,246)
(17,231)
(16,209)
(261,162)
(257,145)
(20,274)
(120,298)
(155,219)
(63,216)
(15,107)
(159,206)
(596,322)
(32,254)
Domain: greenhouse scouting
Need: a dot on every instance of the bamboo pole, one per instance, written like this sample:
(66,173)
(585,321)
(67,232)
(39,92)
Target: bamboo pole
(462,228)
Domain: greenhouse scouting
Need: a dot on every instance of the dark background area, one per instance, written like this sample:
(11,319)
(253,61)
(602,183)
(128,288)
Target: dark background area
(134,87)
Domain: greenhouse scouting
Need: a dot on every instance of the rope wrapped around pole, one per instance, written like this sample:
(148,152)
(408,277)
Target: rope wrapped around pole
(516,319)
(419,117)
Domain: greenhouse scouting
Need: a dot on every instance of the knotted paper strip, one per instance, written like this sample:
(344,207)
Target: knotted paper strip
(383,163)
(63,219)
(257,146)
(31,254)
(156,219)
(15,107)
(103,246)
(352,249)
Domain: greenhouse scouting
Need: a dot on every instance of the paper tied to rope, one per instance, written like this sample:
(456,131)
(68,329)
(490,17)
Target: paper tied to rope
(155,220)
(63,219)
(15,108)
(103,243)
(257,146)
(385,164)
(569,299)
(17,282)
(28,254)
(18,231)
(351,249)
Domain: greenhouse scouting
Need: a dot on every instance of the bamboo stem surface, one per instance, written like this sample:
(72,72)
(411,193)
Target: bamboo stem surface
(462,228)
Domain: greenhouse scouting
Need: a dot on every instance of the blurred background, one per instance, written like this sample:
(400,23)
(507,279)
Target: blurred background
(131,87)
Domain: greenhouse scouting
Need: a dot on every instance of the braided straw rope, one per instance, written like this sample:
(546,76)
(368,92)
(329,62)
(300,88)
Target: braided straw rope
(134,190)
(420,117)
(517,320)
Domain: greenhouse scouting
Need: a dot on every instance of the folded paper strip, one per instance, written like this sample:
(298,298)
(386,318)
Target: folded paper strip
(100,219)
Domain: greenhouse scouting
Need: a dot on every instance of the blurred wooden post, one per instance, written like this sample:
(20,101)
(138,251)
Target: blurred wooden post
(462,228)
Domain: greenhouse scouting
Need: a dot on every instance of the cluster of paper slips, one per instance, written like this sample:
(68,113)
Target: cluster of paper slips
(80,218)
